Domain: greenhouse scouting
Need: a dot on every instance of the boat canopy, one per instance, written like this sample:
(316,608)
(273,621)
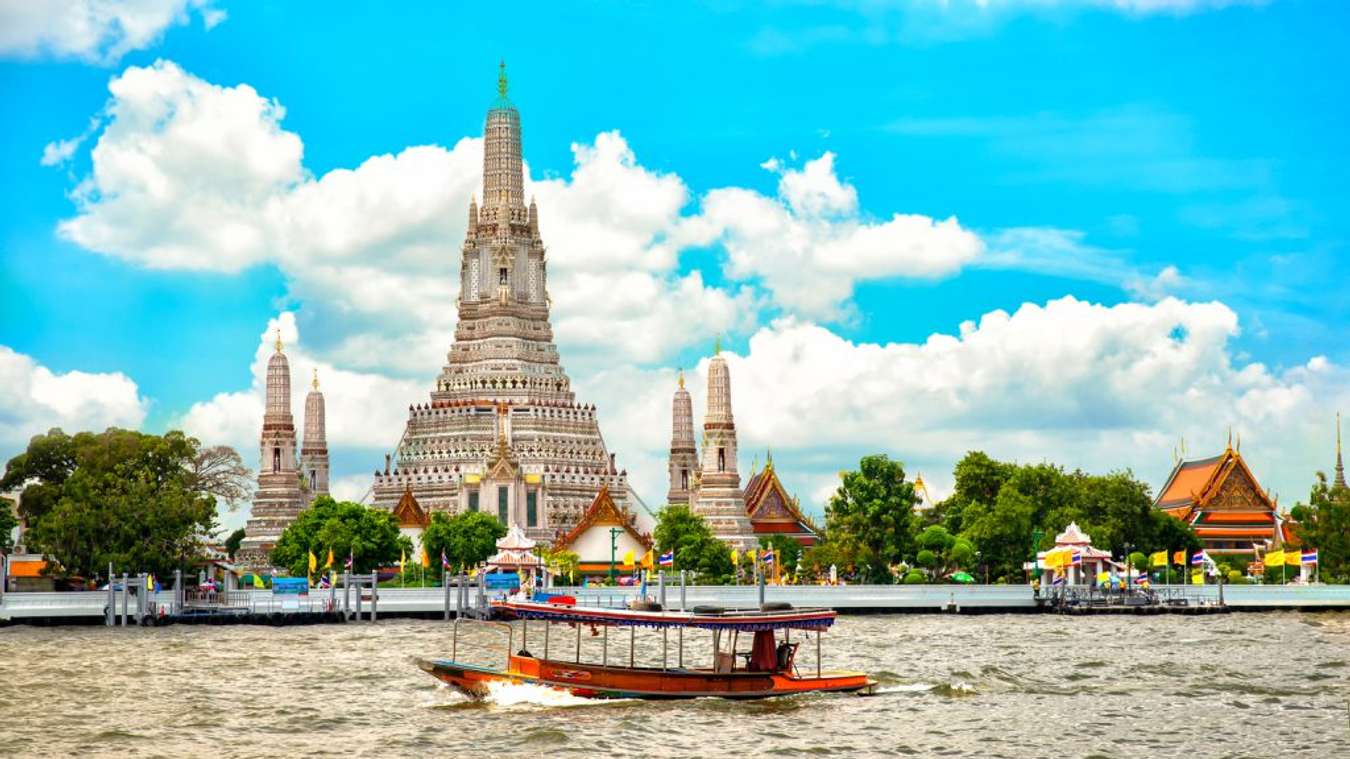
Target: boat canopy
(729,619)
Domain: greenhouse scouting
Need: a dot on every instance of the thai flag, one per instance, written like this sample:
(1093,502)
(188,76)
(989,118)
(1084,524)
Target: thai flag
(1309,557)
(1059,580)
(1198,559)
(768,557)
(668,558)
(348,562)
(445,563)
(1077,559)
(1140,579)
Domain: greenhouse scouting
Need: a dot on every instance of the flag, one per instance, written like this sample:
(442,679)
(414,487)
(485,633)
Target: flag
(735,558)
(1198,559)
(329,564)
(258,582)
(1141,579)
(445,563)
(751,555)
(628,559)
(426,560)
(1293,558)
(1158,559)
(768,556)
(1059,580)
(668,558)
(149,582)
(647,559)
(349,561)
(1077,560)
(1197,577)
(1309,556)
(1179,557)
(313,562)
(402,559)
(1274,558)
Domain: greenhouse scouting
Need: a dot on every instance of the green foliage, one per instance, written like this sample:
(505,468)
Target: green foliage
(962,554)
(370,536)
(695,547)
(1280,575)
(926,559)
(1236,578)
(561,562)
(233,542)
(117,496)
(789,551)
(468,538)
(914,577)
(870,518)
(936,538)
(1324,524)
(8,521)
(1139,562)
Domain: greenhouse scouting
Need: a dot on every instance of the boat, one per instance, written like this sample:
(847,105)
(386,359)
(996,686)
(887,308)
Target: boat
(767,668)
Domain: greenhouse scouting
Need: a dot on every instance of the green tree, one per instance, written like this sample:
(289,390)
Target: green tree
(233,542)
(560,562)
(8,521)
(1324,524)
(695,548)
(467,539)
(914,577)
(962,554)
(873,509)
(119,496)
(788,550)
(370,536)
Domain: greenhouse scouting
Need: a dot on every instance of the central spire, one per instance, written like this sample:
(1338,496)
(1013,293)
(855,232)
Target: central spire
(503,169)
(501,79)
(1340,466)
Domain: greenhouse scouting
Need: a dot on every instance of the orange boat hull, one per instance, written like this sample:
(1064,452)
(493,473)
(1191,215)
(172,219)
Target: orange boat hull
(597,681)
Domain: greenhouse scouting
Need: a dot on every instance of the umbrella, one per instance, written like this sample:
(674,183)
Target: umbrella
(962,577)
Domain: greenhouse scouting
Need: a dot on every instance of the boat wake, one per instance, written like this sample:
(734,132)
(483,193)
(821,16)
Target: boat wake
(954,689)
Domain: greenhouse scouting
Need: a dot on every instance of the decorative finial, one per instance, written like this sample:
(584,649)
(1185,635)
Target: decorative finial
(316,378)
(501,79)
(768,458)
(278,343)
(1230,437)
(1239,441)
(682,387)
(1339,479)
(717,345)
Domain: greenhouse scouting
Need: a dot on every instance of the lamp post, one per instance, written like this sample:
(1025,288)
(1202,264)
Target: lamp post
(613,547)
(1129,571)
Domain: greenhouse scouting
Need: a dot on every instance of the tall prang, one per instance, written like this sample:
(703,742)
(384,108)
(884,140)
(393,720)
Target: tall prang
(718,497)
(314,447)
(278,499)
(502,431)
(1339,479)
(683,454)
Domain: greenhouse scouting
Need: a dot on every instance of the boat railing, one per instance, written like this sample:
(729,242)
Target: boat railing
(487,624)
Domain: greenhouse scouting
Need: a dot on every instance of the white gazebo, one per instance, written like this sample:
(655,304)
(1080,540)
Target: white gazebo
(515,552)
(1074,557)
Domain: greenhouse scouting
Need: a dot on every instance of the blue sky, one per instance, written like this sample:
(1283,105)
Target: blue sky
(1174,169)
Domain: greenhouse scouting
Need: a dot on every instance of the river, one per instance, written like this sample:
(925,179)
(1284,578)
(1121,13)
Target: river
(1259,685)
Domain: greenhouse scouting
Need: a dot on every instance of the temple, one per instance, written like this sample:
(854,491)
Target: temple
(601,538)
(314,448)
(502,431)
(282,488)
(772,511)
(1223,502)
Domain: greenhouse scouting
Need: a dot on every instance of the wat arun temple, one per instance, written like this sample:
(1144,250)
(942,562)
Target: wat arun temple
(502,432)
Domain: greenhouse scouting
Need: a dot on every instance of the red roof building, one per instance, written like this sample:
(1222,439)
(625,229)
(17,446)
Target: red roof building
(773,512)
(594,544)
(1221,499)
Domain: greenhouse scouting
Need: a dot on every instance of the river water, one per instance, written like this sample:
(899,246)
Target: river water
(1258,685)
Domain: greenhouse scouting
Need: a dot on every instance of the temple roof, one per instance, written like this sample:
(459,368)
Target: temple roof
(758,490)
(1194,484)
(515,540)
(409,513)
(1073,535)
(603,511)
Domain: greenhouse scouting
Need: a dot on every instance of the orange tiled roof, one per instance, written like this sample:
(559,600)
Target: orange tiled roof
(1187,481)
(604,511)
(409,512)
(1234,532)
(1235,517)
(757,491)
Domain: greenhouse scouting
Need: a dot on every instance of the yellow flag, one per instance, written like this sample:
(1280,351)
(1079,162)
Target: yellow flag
(1197,577)
(149,582)
(1293,558)
(329,563)
(473,571)
(628,560)
(735,558)
(1179,557)
(426,560)
(1158,559)
(257,581)
(313,562)
(402,559)
(647,560)
(751,555)
(1274,558)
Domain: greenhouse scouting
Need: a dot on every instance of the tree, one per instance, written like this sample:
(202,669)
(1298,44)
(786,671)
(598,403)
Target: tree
(467,539)
(8,521)
(120,497)
(370,536)
(1324,524)
(789,552)
(560,562)
(220,471)
(681,530)
(233,542)
(873,509)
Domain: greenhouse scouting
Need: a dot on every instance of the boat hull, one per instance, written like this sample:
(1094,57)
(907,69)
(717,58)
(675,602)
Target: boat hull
(601,682)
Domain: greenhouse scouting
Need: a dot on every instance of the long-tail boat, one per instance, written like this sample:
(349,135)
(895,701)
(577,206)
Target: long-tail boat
(768,667)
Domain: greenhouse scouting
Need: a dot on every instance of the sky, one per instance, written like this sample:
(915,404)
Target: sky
(1074,231)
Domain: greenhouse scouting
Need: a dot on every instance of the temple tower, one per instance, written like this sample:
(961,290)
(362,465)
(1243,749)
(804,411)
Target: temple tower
(503,433)
(1339,480)
(683,454)
(314,449)
(277,500)
(718,498)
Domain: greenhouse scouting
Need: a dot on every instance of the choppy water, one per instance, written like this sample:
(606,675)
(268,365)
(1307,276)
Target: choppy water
(991,686)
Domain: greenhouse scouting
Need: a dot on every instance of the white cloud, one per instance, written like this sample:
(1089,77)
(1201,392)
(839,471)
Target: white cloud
(99,31)
(810,245)
(36,399)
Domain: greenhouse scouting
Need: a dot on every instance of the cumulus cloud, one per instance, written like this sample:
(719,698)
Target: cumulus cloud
(36,399)
(810,244)
(98,31)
